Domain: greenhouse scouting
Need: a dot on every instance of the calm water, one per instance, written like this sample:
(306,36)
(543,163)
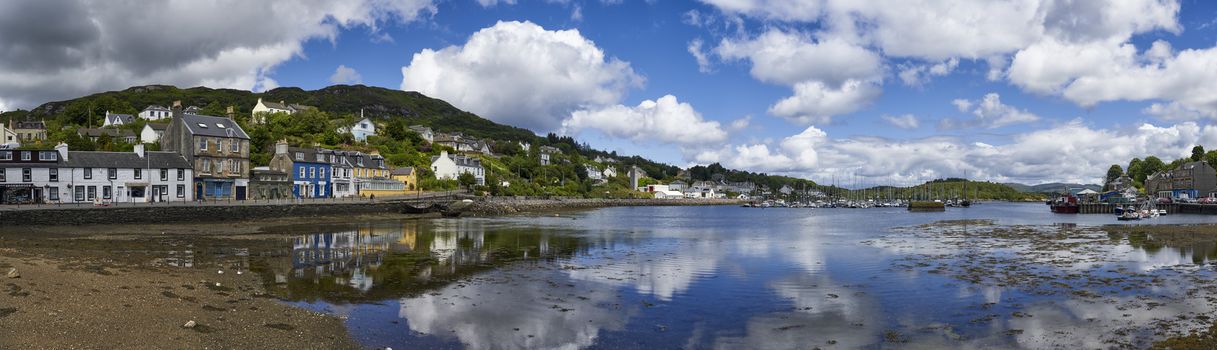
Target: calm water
(728,277)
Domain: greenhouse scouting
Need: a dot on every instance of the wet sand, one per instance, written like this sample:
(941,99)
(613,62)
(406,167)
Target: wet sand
(112,287)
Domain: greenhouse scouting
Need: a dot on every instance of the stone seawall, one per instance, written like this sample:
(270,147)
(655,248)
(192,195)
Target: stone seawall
(505,206)
(186,213)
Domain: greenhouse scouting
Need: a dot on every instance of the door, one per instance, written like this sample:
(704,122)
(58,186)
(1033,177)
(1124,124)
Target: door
(198,191)
(156,194)
(240,193)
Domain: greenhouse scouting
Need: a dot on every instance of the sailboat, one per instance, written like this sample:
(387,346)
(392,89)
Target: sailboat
(965,202)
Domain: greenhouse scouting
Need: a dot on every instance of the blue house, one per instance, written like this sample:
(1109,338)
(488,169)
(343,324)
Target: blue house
(310,168)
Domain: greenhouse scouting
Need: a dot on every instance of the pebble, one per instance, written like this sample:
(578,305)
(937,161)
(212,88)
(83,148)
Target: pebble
(220,272)
(189,324)
(12,273)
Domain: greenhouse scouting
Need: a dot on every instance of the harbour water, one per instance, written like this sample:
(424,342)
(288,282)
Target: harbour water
(996,275)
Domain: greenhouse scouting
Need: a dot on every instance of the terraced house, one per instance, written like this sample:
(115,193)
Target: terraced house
(310,170)
(218,150)
(60,176)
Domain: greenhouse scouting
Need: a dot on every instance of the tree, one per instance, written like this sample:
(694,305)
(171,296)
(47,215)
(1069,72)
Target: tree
(467,180)
(1151,166)
(1197,153)
(1136,170)
(1113,173)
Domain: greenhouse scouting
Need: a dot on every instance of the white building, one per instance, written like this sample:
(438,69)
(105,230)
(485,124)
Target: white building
(546,152)
(342,173)
(155,112)
(8,137)
(362,129)
(448,166)
(261,109)
(114,119)
(152,132)
(425,132)
(593,173)
(669,195)
(609,172)
(60,176)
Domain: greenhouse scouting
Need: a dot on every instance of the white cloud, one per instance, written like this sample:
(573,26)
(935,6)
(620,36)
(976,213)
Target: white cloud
(226,43)
(664,120)
(816,102)
(989,112)
(920,74)
(492,3)
(829,77)
(1079,50)
(741,123)
(703,61)
(907,121)
(1032,157)
(520,74)
(346,75)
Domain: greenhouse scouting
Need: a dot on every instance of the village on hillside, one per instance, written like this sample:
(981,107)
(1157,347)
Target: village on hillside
(176,153)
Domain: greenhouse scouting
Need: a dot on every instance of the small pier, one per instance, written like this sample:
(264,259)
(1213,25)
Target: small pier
(1105,208)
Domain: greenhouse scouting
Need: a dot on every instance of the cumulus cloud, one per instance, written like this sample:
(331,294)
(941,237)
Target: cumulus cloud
(907,121)
(1031,157)
(521,74)
(703,60)
(96,45)
(920,74)
(989,112)
(829,77)
(346,75)
(665,120)
(1079,50)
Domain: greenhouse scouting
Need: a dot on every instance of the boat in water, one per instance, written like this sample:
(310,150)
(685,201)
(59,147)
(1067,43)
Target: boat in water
(1064,205)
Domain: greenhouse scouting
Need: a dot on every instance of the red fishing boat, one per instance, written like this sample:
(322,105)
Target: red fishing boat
(1064,205)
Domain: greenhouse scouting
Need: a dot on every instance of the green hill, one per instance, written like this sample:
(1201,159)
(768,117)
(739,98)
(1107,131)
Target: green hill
(341,104)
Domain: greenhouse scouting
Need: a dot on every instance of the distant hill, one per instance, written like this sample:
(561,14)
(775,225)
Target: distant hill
(1054,187)
(376,102)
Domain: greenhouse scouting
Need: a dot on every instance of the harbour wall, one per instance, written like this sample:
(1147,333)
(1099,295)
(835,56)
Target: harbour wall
(185,213)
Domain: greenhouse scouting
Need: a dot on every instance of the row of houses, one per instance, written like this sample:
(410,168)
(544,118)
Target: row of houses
(62,175)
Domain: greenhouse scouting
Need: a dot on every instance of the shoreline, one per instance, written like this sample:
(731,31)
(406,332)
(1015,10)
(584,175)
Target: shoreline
(190,214)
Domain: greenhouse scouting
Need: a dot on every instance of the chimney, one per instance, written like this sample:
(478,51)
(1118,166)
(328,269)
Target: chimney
(232,112)
(282,103)
(62,148)
(281,147)
(139,149)
(177,104)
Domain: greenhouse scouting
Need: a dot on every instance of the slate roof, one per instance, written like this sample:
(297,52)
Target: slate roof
(212,126)
(97,132)
(158,126)
(462,160)
(29,124)
(156,108)
(406,171)
(120,118)
(87,159)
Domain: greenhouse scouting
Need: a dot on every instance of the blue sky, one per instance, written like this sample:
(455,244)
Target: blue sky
(895,91)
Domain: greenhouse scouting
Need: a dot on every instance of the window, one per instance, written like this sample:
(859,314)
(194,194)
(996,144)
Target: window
(236,145)
(6,155)
(181,174)
(139,173)
(206,168)
(320,157)
(302,173)
(112,173)
(106,192)
(25,156)
(312,173)
(219,145)
(25,175)
(92,193)
(52,193)
(48,155)
(164,174)
(299,155)
(53,174)
(137,192)
(236,165)
(181,191)
(88,172)
(202,144)
(80,193)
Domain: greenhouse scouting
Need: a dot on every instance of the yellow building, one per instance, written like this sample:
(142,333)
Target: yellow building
(407,176)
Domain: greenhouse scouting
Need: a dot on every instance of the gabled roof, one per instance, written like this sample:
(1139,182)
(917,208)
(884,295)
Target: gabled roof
(206,125)
(97,132)
(460,160)
(85,159)
(406,171)
(157,126)
(29,124)
(114,118)
(156,108)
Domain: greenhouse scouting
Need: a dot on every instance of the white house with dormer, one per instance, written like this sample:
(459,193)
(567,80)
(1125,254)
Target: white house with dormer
(154,112)
(360,130)
(262,108)
(425,132)
(115,119)
(447,166)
